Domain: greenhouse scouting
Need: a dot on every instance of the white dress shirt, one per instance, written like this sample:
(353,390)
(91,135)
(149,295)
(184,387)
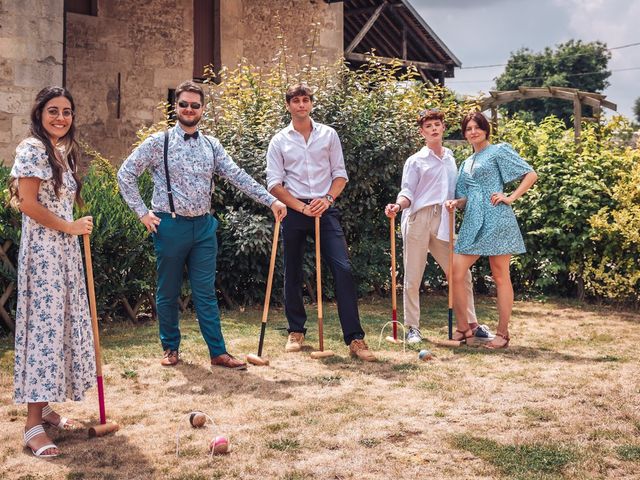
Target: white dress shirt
(429,180)
(305,169)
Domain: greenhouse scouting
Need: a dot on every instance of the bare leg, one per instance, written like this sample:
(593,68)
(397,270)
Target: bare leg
(501,276)
(34,417)
(461,265)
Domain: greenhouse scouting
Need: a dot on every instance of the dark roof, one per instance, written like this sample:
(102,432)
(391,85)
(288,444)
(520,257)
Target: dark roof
(398,32)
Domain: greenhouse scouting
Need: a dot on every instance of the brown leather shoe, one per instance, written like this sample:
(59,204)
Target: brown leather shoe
(170,358)
(294,342)
(358,348)
(228,361)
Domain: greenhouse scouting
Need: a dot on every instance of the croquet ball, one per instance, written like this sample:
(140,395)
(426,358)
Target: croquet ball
(219,445)
(197,419)
(425,355)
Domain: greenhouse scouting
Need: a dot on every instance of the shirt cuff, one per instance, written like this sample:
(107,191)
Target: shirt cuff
(141,211)
(273,183)
(406,193)
(339,174)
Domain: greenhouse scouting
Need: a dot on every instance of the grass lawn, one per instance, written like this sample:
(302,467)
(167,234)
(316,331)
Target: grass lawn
(562,402)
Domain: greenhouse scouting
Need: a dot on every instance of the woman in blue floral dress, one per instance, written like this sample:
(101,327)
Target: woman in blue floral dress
(54,355)
(489,227)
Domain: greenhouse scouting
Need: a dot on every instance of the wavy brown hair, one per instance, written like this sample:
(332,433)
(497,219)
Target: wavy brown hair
(71,148)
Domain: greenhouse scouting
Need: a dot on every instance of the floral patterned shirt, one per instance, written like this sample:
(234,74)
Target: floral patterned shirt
(192,164)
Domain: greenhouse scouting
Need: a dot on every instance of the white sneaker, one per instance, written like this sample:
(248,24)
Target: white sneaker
(414,335)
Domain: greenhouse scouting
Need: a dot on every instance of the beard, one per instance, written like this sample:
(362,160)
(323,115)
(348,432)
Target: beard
(189,122)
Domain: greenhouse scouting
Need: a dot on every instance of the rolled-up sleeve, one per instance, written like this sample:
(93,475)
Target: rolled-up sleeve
(275,164)
(336,158)
(409,181)
(139,160)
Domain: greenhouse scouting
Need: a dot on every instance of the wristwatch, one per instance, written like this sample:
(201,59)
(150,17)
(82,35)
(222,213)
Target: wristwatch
(330,198)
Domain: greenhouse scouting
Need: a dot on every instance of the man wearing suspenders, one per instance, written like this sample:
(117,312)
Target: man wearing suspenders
(182,163)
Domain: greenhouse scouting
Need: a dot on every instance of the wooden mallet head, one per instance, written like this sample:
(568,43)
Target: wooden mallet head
(257,361)
(322,354)
(104,429)
(449,343)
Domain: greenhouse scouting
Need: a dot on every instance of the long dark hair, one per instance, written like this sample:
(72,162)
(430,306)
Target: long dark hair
(71,148)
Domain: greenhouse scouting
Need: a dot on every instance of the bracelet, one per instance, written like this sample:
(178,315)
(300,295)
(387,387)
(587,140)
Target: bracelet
(399,206)
(303,208)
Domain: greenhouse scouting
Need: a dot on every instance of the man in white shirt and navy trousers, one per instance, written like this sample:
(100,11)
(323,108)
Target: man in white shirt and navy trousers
(305,171)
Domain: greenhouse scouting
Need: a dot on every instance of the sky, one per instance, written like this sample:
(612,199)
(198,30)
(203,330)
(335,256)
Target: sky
(485,32)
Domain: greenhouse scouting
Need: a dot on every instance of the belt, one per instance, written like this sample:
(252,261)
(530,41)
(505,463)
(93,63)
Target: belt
(182,217)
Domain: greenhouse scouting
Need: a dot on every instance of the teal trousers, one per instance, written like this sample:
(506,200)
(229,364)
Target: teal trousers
(190,242)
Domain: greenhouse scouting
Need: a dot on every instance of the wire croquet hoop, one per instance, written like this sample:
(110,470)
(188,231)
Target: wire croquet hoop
(181,422)
(404,334)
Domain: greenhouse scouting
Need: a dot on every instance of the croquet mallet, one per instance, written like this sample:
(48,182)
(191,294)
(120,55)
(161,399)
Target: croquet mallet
(104,428)
(257,359)
(321,353)
(394,299)
(449,342)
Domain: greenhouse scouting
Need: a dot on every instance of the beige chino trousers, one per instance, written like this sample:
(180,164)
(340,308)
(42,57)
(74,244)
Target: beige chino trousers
(419,238)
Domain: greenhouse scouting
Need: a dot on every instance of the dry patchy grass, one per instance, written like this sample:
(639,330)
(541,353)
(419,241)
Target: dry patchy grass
(561,403)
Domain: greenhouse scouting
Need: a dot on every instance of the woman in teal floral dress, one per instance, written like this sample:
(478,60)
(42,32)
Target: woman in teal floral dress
(54,356)
(489,227)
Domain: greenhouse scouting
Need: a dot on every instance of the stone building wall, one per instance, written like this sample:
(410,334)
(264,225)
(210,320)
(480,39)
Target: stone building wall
(250,29)
(149,43)
(31,33)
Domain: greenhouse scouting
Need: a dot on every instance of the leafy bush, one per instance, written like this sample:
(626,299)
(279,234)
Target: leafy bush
(614,272)
(373,110)
(122,252)
(580,221)
(10,222)
(576,182)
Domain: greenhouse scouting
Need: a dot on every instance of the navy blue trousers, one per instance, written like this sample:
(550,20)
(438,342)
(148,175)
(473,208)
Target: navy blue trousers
(333,248)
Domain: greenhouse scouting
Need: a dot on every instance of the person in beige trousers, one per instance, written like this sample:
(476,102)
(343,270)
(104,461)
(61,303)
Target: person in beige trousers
(428,180)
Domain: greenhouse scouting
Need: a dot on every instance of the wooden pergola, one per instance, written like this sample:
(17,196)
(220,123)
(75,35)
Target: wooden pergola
(396,33)
(594,100)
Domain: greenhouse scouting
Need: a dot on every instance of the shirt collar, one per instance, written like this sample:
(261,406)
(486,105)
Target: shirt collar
(290,128)
(426,151)
(180,131)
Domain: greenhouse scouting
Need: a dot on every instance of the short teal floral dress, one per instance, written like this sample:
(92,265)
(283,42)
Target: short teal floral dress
(489,230)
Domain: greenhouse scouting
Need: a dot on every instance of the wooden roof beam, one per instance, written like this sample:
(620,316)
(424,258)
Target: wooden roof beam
(359,57)
(365,10)
(367,26)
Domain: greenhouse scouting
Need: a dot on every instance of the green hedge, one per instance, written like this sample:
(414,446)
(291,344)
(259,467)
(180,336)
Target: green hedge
(580,221)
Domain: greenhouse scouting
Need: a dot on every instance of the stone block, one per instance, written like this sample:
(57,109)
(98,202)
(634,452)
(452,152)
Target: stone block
(13,103)
(38,74)
(14,48)
(50,8)
(5,137)
(6,72)
(168,77)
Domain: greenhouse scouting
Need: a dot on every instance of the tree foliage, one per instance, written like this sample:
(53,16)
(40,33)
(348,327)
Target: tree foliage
(564,216)
(573,64)
(636,109)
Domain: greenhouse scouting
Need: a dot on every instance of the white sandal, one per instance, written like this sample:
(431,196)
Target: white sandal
(63,424)
(31,434)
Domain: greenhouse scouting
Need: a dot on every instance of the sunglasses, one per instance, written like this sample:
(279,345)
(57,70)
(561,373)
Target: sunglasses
(193,105)
(55,112)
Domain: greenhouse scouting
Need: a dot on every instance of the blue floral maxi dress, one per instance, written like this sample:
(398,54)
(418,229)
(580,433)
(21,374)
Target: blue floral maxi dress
(54,355)
(486,229)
